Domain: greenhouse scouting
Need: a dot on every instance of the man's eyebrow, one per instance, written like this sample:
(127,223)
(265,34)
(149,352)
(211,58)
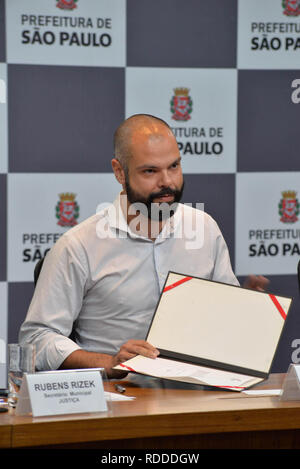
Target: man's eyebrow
(151,166)
(177,160)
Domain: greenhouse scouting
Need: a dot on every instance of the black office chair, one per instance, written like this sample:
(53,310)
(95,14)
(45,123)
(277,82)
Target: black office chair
(299,275)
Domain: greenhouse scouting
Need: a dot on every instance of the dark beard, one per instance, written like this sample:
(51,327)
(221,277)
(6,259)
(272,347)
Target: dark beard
(154,210)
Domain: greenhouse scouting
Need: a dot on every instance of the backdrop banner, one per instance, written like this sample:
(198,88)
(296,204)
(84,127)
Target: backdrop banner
(226,78)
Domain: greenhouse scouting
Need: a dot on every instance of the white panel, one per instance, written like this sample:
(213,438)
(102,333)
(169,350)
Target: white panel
(207,132)
(92,33)
(34,219)
(3,118)
(268,34)
(267,223)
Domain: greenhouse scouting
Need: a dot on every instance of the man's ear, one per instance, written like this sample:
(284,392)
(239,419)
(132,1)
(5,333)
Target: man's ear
(118,170)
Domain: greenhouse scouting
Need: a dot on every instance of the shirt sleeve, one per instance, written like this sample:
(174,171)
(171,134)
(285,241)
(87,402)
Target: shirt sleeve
(56,303)
(222,265)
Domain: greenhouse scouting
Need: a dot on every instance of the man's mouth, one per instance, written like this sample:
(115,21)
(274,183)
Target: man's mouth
(165,195)
(164,198)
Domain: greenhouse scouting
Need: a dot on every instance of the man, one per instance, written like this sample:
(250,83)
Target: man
(105,275)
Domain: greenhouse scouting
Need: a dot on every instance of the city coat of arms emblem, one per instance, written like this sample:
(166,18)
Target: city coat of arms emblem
(181,105)
(291,7)
(67,210)
(66,4)
(289,207)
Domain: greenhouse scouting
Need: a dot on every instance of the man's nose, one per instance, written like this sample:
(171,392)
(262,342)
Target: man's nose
(165,179)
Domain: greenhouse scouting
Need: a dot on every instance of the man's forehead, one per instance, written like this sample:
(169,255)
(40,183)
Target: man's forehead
(156,152)
(152,141)
(156,163)
(149,131)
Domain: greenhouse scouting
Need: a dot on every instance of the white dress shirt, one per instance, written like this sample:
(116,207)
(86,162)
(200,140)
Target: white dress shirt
(106,279)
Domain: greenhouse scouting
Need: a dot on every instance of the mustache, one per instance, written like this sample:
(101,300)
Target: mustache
(166,191)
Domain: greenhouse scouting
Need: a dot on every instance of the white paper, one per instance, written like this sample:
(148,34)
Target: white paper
(263,392)
(113,396)
(255,393)
(172,369)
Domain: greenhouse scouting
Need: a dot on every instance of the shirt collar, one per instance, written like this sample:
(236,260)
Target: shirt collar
(117,220)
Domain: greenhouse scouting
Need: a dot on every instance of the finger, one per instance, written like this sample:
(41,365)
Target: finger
(142,343)
(146,352)
(249,281)
(262,283)
(261,278)
(264,280)
(140,347)
(258,282)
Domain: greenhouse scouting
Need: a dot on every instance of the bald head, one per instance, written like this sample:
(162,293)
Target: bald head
(137,126)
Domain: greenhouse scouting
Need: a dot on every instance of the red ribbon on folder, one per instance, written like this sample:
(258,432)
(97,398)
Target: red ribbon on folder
(173,285)
(278,306)
(273,297)
(128,367)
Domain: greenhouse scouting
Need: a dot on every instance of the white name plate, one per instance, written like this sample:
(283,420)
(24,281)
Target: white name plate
(62,392)
(291,384)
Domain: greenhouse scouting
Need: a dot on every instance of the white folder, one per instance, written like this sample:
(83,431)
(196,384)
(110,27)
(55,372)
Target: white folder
(230,333)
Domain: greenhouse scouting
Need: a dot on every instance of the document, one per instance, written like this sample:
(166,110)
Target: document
(185,372)
(213,334)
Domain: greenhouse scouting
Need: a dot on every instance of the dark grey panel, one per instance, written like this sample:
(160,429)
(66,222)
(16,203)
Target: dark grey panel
(174,33)
(2,32)
(217,192)
(3,224)
(62,119)
(19,297)
(268,132)
(285,285)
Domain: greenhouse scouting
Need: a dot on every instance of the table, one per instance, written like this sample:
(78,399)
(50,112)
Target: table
(162,416)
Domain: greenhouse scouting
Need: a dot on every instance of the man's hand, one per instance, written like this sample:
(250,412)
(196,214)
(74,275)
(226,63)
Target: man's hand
(131,349)
(85,359)
(256,282)
(135,347)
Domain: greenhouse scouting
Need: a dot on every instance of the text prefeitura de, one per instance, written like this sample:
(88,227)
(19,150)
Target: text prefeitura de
(274,234)
(65,21)
(275,27)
